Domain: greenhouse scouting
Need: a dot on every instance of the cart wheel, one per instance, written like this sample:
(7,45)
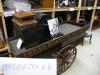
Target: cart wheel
(65,58)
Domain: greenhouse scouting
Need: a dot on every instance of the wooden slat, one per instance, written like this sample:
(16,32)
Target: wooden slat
(78,13)
(1,9)
(93,14)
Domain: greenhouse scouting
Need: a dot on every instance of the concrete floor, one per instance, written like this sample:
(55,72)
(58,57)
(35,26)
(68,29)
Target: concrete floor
(87,61)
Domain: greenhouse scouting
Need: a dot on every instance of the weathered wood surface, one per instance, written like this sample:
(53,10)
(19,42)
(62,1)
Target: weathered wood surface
(44,46)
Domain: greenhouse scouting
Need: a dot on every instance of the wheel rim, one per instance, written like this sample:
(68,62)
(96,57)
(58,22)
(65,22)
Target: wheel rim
(65,58)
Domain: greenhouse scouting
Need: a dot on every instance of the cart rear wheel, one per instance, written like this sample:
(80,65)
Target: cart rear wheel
(65,58)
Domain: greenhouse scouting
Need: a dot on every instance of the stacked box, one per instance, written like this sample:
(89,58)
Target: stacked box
(26,28)
(24,20)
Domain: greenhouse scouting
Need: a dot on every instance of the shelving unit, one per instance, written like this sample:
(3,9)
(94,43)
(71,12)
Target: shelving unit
(53,7)
(82,5)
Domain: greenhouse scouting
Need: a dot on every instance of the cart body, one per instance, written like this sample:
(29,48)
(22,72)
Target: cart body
(63,48)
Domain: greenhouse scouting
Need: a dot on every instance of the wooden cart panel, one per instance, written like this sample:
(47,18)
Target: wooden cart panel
(67,29)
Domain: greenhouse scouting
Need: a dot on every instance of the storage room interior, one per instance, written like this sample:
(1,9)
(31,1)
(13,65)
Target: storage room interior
(65,30)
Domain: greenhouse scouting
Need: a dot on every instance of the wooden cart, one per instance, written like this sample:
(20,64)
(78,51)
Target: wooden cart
(63,48)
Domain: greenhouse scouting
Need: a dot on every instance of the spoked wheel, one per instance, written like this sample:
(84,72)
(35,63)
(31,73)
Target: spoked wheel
(65,58)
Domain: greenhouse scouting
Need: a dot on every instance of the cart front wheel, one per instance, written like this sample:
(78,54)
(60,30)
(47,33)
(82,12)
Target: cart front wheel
(65,58)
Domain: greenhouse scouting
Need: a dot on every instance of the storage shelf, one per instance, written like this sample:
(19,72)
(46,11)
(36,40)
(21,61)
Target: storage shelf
(63,9)
(53,10)
(67,9)
(42,10)
(87,8)
(53,7)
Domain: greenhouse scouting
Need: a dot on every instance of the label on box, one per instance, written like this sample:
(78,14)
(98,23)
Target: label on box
(98,7)
(71,9)
(19,43)
(89,8)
